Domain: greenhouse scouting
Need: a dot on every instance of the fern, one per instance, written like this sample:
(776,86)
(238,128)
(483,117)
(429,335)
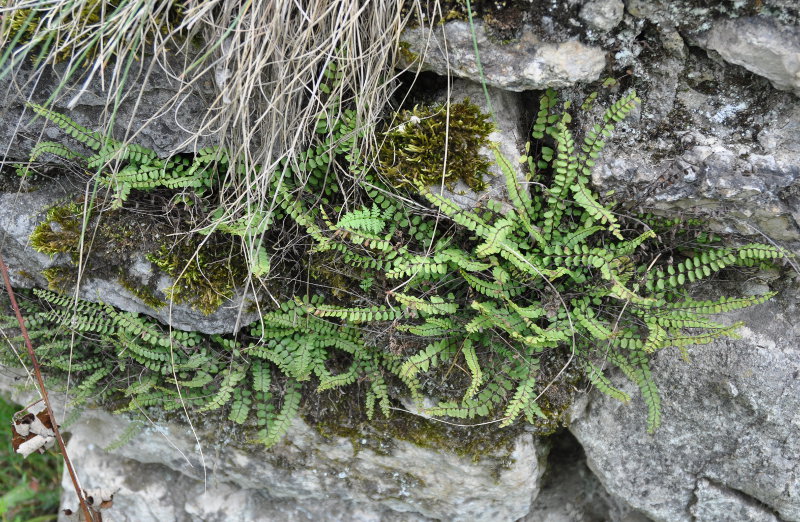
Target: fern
(226,389)
(471,358)
(91,139)
(278,425)
(132,430)
(510,289)
(240,406)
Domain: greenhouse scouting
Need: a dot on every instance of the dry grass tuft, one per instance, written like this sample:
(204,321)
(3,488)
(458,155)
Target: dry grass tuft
(266,59)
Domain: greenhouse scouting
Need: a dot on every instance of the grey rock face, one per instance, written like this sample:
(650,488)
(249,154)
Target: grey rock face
(21,212)
(570,491)
(153,111)
(692,17)
(603,14)
(727,443)
(714,500)
(761,46)
(154,492)
(714,140)
(525,64)
(305,477)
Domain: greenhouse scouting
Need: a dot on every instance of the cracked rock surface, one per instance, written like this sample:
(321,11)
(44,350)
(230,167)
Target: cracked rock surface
(728,442)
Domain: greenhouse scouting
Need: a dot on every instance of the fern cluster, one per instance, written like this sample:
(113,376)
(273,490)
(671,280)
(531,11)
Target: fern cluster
(135,363)
(140,167)
(497,301)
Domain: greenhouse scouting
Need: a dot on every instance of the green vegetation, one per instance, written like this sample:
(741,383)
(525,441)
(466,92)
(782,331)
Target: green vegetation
(494,312)
(30,489)
(60,232)
(206,270)
(437,144)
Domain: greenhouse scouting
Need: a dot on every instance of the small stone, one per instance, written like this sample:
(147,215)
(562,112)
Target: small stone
(603,15)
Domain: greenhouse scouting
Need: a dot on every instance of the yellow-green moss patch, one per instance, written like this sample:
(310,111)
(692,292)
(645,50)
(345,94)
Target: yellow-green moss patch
(413,152)
(206,270)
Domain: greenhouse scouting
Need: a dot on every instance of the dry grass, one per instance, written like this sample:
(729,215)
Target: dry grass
(266,60)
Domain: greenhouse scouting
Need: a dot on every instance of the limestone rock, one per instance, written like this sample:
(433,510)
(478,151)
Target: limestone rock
(603,15)
(760,45)
(714,500)
(570,491)
(306,476)
(153,111)
(21,212)
(727,443)
(525,64)
(713,140)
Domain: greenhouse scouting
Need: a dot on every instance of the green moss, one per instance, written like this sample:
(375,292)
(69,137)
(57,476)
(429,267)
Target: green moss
(413,153)
(206,270)
(406,53)
(61,278)
(27,275)
(347,419)
(60,232)
(143,292)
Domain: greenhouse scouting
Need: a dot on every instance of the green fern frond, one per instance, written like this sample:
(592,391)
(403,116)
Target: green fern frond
(226,389)
(433,306)
(471,358)
(603,384)
(278,425)
(91,139)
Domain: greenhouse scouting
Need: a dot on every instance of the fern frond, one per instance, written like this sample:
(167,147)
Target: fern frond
(56,149)
(523,395)
(262,378)
(432,327)
(279,425)
(602,383)
(240,405)
(231,378)
(637,368)
(434,306)
(91,139)
(468,350)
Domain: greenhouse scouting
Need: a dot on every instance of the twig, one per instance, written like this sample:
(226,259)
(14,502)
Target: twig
(86,513)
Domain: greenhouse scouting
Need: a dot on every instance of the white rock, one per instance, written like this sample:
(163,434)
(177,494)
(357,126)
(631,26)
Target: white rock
(761,46)
(603,15)
(525,64)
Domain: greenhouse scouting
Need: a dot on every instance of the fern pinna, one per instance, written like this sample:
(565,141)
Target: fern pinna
(507,302)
